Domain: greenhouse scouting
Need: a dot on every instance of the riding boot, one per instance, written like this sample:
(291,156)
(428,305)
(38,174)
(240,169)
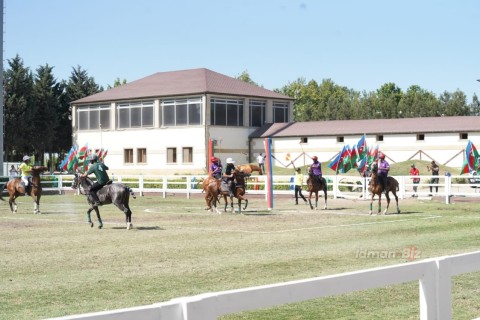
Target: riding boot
(95,200)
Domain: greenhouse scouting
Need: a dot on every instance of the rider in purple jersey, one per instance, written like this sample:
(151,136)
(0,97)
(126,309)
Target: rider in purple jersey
(315,171)
(383,167)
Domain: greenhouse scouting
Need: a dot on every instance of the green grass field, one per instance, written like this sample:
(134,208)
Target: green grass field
(54,264)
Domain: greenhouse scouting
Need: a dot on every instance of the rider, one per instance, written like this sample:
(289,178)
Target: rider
(315,171)
(100,171)
(26,170)
(228,175)
(216,168)
(383,167)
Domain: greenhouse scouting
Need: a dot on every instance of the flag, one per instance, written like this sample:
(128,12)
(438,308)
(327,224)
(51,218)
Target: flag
(346,159)
(372,157)
(63,165)
(104,154)
(82,154)
(362,147)
(335,162)
(465,168)
(362,165)
(354,155)
(72,163)
(471,155)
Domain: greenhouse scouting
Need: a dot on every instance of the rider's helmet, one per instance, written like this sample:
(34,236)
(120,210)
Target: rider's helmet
(213,159)
(93,157)
(229,160)
(381,156)
(314,158)
(26,158)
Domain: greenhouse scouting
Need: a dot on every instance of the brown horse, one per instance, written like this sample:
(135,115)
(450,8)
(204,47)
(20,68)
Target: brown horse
(239,179)
(376,188)
(247,169)
(314,187)
(16,188)
(211,187)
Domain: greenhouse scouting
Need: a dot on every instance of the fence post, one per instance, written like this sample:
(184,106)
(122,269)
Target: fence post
(140,185)
(60,183)
(164,186)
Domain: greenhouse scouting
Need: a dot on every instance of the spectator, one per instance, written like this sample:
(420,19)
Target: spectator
(435,171)
(261,162)
(298,185)
(13,172)
(414,172)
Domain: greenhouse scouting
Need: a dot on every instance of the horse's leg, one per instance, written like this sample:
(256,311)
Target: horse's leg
(89,219)
(36,203)
(310,199)
(396,199)
(379,203)
(100,223)
(325,195)
(385,212)
(231,205)
(316,200)
(371,205)
(13,205)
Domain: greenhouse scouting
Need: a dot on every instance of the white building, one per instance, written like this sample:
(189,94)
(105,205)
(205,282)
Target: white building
(442,139)
(163,123)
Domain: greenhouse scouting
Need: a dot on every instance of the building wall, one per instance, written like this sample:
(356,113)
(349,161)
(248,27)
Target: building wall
(444,148)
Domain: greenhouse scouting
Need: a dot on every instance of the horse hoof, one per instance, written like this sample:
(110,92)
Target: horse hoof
(100,226)
(91,224)
(370,212)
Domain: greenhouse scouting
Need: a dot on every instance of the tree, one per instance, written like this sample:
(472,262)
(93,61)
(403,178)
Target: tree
(117,83)
(245,77)
(453,104)
(48,101)
(18,109)
(80,85)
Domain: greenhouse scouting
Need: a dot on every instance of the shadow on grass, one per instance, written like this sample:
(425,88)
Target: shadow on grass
(141,228)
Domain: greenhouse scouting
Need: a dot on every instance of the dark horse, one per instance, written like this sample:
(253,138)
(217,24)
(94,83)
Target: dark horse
(17,188)
(314,187)
(116,193)
(215,189)
(375,187)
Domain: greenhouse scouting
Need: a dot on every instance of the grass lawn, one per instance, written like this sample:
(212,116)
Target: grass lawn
(54,264)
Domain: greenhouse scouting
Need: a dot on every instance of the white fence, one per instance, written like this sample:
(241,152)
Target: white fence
(339,186)
(434,277)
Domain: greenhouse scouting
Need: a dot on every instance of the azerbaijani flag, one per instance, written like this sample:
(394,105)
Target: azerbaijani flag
(362,147)
(346,159)
(335,162)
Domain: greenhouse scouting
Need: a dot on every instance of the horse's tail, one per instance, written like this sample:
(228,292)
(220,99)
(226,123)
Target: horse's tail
(3,188)
(130,190)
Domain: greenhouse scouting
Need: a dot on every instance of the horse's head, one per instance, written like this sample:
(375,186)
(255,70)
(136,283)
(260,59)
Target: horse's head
(75,181)
(36,170)
(78,180)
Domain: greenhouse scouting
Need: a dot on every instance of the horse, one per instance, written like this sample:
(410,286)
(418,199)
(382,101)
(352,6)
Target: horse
(315,188)
(247,169)
(211,187)
(239,178)
(116,193)
(376,188)
(17,188)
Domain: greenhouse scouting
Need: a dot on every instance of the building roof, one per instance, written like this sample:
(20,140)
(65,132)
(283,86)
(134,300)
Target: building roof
(375,126)
(183,82)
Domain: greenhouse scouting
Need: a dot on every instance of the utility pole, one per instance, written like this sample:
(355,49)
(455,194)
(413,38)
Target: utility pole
(2,130)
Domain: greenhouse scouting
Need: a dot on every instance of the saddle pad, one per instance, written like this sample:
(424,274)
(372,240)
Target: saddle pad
(224,187)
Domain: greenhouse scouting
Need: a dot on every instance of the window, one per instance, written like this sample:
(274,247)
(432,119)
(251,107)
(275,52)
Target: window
(380,137)
(303,140)
(128,155)
(340,139)
(171,155)
(135,114)
(463,136)
(280,112)
(225,112)
(141,155)
(257,113)
(420,137)
(93,117)
(187,155)
(182,112)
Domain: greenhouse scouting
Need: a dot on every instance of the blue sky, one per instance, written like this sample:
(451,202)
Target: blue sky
(357,44)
